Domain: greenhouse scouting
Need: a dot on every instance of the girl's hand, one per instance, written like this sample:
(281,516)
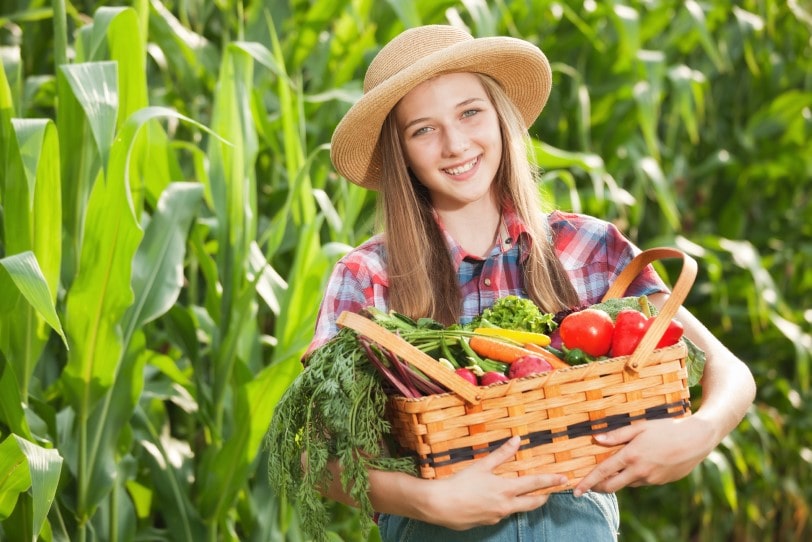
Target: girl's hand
(477,496)
(655,452)
(662,451)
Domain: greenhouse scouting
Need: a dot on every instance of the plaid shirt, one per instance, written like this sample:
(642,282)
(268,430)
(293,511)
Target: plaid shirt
(592,251)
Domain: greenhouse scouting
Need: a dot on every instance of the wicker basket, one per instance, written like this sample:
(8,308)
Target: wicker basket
(556,413)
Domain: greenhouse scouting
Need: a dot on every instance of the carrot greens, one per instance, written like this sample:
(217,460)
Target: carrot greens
(333,410)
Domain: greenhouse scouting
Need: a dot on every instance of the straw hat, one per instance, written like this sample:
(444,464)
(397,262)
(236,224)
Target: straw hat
(419,54)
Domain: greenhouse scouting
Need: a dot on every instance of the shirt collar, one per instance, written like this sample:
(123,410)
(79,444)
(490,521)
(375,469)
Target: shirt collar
(513,232)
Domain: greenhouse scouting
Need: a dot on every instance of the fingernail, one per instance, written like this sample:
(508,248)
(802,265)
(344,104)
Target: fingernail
(600,437)
(577,492)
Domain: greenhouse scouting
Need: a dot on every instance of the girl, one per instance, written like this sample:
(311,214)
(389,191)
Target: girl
(441,132)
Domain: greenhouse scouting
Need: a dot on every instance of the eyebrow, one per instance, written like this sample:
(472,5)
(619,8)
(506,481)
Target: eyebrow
(463,103)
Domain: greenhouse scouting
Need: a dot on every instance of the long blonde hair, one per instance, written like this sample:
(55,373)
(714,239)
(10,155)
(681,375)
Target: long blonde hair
(422,279)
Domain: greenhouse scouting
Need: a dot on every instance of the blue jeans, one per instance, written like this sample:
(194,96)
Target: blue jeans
(593,517)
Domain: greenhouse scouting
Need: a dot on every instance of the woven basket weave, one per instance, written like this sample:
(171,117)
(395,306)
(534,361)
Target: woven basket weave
(556,413)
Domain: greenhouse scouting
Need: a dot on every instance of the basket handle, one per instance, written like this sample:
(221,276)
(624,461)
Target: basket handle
(641,355)
(414,356)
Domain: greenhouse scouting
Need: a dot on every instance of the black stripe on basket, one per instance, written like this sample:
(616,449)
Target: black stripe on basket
(539,438)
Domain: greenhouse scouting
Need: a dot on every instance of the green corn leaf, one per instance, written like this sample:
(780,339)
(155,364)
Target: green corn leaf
(407,12)
(119,30)
(650,170)
(319,18)
(100,305)
(14,475)
(60,32)
(80,162)
(38,146)
(233,181)
(225,471)
(11,79)
(275,234)
(721,477)
(568,180)
(44,466)
(157,279)
(232,194)
(189,55)
(11,401)
(183,522)
(102,292)
(302,297)
(269,283)
(158,264)
(697,14)
(290,99)
(689,106)
(109,419)
(28,473)
(32,220)
(27,276)
(115,35)
(95,87)
(485,19)
(627,21)
(648,96)
(549,157)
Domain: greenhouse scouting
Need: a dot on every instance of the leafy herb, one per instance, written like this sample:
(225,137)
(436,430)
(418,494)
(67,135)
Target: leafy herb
(513,312)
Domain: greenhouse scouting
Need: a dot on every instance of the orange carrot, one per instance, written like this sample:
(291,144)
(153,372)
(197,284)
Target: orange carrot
(545,354)
(497,349)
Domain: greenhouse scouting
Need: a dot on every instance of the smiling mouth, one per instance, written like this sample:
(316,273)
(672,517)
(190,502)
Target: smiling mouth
(459,170)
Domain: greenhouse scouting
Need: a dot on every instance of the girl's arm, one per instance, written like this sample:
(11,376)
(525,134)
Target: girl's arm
(473,496)
(662,451)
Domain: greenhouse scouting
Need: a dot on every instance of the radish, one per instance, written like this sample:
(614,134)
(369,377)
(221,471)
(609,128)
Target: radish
(492,377)
(528,365)
(468,375)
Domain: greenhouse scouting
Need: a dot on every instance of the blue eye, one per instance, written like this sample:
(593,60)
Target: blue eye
(470,112)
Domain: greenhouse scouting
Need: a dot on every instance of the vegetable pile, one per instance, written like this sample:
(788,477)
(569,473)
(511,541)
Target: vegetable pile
(614,328)
(335,410)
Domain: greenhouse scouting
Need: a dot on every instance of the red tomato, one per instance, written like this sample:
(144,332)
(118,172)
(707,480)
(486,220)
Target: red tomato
(630,326)
(588,329)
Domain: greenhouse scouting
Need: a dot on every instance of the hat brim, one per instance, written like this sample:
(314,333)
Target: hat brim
(518,66)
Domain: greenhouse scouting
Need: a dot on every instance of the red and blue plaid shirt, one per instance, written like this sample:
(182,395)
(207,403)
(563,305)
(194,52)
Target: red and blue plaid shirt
(592,252)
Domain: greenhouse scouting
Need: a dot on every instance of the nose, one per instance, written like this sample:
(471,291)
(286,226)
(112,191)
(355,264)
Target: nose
(456,141)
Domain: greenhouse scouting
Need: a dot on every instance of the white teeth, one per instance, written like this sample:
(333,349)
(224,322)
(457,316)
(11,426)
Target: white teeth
(463,168)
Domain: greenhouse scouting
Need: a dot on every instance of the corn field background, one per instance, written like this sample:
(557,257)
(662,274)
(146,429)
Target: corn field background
(169,214)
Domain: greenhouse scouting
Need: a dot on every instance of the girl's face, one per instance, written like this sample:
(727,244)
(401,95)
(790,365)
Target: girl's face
(451,139)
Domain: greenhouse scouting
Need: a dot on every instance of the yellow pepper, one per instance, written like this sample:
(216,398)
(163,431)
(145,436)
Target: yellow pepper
(522,337)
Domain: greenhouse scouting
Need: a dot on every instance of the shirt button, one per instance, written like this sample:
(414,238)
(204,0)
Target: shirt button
(487,282)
